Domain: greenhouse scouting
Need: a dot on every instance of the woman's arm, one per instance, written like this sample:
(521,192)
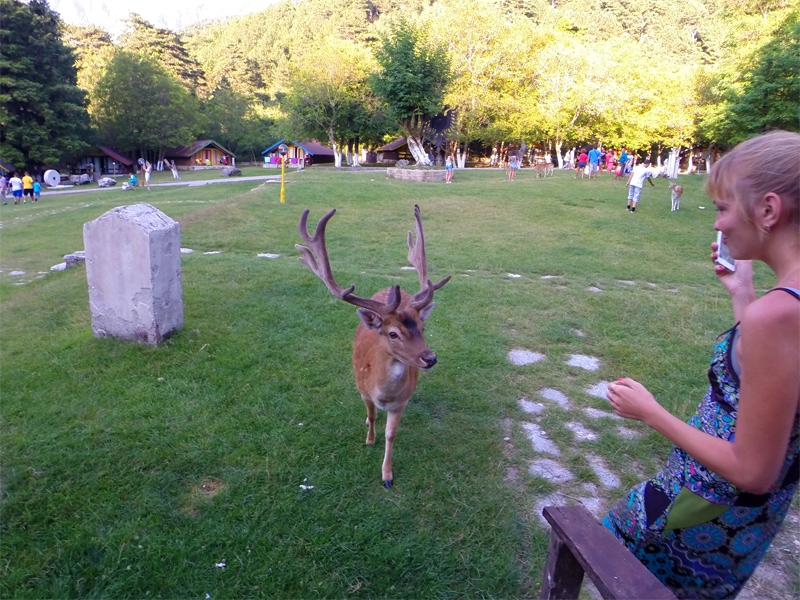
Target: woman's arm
(768,400)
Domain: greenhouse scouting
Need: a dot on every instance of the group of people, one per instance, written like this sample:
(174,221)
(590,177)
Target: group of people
(592,161)
(21,188)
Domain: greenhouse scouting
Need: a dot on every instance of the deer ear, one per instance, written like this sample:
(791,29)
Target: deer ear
(370,318)
(426,312)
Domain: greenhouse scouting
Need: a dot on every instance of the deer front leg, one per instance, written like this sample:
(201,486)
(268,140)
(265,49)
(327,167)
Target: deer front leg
(372,414)
(392,420)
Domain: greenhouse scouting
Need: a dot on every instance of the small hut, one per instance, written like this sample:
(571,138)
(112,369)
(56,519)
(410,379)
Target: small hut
(202,154)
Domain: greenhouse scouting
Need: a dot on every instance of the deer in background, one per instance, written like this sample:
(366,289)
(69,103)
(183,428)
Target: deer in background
(389,348)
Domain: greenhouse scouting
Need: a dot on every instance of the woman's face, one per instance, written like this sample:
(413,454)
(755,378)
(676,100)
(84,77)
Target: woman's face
(741,236)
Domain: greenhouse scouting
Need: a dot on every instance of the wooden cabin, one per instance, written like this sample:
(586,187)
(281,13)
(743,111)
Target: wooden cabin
(202,154)
(298,154)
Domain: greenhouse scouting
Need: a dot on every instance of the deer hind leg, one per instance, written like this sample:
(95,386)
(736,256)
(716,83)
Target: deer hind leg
(372,414)
(392,420)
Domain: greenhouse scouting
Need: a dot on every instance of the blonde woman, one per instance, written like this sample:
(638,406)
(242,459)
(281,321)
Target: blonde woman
(704,522)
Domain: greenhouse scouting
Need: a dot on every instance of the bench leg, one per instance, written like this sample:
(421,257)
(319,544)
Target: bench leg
(563,574)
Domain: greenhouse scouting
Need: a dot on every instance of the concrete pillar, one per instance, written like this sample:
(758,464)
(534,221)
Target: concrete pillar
(133,266)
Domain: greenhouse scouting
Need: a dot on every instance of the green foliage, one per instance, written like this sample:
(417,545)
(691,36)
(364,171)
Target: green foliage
(139,107)
(769,94)
(43,118)
(413,77)
(233,122)
(167,46)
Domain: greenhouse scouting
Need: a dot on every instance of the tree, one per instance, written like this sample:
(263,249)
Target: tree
(167,46)
(139,107)
(770,91)
(93,48)
(412,82)
(329,93)
(43,118)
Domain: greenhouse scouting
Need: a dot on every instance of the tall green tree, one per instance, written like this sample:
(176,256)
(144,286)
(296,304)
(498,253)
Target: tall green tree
(412,81)
(43,117)
(168,48)
(329,93)
(93,48)
(140,108)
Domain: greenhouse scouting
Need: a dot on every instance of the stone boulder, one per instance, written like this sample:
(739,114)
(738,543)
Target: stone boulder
(230,171)
(107,182)
(133,267)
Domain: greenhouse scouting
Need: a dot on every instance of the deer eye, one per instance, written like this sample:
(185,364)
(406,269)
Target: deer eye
(393,335)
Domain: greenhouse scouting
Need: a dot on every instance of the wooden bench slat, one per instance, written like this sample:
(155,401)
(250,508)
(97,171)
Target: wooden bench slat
(612,568)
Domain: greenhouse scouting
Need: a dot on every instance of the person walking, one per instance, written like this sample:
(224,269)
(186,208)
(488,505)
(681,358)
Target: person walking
(636,182)
(448,168)
(582,159)
(37,191)
(594,162)
(16,187)
(513,165)
(27,186)
(703,523)
(3,188)
(623,160)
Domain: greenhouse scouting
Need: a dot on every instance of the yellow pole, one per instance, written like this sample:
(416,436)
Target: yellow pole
(283,165)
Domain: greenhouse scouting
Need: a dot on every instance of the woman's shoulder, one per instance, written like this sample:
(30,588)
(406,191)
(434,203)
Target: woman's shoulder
(777,312)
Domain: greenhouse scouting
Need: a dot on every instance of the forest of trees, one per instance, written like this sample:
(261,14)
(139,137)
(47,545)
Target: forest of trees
(643,73)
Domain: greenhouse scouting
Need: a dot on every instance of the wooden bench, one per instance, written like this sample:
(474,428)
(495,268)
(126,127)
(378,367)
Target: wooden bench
(580,544)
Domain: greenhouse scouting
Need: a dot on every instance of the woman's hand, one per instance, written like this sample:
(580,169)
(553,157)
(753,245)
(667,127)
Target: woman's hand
(740,280)
(630,399)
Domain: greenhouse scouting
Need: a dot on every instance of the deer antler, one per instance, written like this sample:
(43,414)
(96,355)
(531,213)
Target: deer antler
(321,266)
(419,260)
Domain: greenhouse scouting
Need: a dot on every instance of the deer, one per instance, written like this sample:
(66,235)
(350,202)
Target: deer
(389,348)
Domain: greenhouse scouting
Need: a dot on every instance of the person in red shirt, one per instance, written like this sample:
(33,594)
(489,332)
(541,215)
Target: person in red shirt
(582,160)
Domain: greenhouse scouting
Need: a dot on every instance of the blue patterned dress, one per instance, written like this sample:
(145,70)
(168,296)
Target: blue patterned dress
(694,530)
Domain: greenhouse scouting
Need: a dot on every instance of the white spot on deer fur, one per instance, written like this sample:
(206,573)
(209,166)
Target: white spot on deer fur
(524,357)
(214,252)
(606,477)
(555,396)
(596,290)
(551,276)
(590,363)
(601,414)
(267,255)
(186,251)
(626,282)
(598,390)
(550,470)
(530,407)
(581,433)
(514,276)
(539,439)
(628,434)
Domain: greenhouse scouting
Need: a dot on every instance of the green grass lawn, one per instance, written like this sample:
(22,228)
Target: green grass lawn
(132,472)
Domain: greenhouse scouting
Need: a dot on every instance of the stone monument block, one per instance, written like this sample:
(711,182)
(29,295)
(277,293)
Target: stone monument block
(133,266)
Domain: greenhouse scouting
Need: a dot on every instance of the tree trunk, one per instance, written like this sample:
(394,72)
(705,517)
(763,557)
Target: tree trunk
(417,151)
(461,157)
(356,158)
(558,145)
(337,150)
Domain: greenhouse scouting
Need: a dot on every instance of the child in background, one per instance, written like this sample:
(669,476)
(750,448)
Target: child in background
(37,191)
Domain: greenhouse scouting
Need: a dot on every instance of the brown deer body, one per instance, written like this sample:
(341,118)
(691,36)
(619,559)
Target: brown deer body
(389,348)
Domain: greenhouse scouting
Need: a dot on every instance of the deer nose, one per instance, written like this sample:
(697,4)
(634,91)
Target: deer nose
(429,361)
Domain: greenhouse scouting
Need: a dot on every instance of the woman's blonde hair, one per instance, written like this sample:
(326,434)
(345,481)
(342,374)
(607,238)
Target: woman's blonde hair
(766,163)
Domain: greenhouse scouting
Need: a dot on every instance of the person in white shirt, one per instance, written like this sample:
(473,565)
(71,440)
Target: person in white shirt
(16,188)
(636,182)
